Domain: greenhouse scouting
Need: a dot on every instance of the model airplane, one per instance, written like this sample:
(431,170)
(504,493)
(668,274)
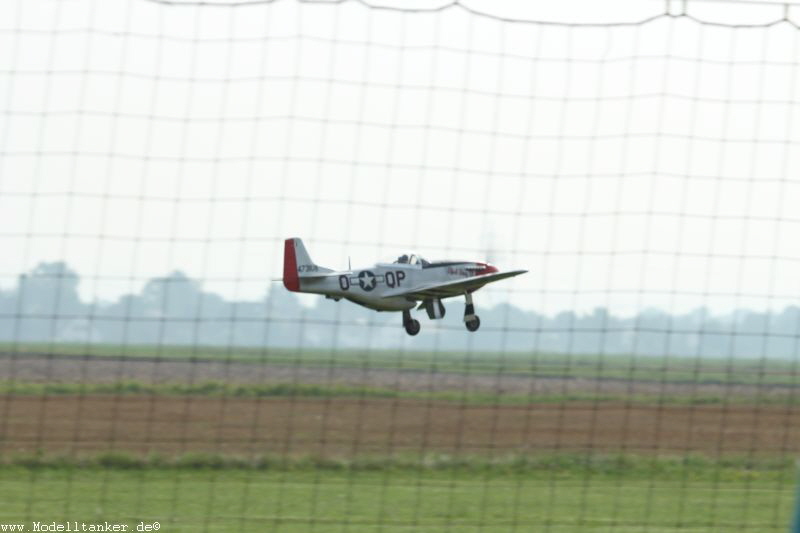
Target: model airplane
(396,286)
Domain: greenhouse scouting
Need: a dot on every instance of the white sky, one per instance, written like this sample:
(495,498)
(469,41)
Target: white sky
(628,167)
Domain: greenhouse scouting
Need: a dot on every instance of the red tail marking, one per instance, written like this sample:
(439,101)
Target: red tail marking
(290,279)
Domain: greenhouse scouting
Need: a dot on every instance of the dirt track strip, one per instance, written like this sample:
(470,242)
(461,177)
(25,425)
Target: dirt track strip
(40,369)
(346,427)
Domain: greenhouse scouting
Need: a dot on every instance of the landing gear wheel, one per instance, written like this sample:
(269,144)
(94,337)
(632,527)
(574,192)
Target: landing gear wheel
(412,327)
(474,324)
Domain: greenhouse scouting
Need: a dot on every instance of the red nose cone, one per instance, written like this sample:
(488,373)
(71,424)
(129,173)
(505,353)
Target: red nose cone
(486,269)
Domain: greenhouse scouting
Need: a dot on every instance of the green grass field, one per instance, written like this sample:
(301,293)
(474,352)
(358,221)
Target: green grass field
(221,389)
(626,367)
(703,498)
(527,494)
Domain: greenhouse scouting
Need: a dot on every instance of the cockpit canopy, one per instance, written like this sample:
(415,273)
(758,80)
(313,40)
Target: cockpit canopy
(412,259)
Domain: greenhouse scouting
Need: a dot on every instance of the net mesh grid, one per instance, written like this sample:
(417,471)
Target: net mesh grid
(156,154)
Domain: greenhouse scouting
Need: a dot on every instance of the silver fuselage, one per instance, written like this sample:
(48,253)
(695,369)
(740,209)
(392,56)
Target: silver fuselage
(369,286)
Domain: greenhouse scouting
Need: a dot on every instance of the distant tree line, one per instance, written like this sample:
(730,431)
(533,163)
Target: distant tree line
(45,306)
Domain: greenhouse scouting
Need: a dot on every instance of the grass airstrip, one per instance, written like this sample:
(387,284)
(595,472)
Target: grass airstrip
(556,493)
(486,492)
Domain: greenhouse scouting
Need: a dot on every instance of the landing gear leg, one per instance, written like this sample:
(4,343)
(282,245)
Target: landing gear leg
(471,320)
(411,325)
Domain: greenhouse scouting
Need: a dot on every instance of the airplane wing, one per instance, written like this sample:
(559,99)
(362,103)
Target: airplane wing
(451,288)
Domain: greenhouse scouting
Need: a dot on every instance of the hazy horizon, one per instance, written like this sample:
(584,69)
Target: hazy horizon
(176,310)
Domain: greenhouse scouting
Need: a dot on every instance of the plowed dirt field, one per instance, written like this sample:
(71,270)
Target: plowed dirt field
(352,426)
(346,427)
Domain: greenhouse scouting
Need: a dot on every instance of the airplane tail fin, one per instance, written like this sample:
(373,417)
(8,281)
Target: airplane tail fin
(297,264)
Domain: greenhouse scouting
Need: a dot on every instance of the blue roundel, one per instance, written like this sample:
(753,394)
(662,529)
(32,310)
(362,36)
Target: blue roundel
(366,280)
